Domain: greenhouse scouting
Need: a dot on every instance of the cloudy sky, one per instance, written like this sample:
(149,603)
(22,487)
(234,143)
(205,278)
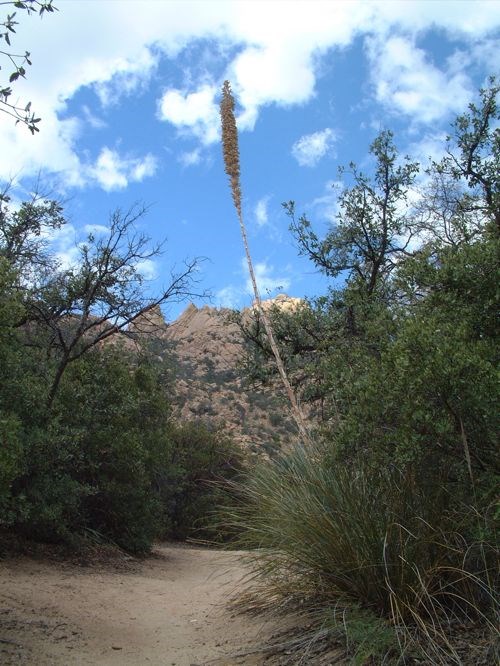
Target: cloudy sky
(128,92)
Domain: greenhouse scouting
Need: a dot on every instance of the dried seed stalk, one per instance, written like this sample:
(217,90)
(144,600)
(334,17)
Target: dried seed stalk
(231,155)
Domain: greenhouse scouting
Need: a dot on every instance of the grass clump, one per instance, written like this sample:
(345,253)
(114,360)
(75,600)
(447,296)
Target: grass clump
(370,560)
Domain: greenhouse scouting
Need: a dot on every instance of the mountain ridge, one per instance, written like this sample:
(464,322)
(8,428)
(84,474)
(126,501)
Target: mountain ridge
(206,348)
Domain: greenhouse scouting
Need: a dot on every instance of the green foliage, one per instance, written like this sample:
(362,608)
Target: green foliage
(90,465)
(477,137)
(388,531)
(366,241)
(201,463)
(330,540)
(109,461)
(11,310)
(10,461)
(88,446)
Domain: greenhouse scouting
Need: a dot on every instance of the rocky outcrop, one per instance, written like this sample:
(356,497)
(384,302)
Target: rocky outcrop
(281,301)
(150,322)
(206,349)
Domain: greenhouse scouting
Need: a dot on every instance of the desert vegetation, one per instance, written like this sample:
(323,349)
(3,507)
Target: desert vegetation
(377,532)
(380,535)
(89,446)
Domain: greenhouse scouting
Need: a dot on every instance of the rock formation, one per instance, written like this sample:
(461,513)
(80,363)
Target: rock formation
(205,347)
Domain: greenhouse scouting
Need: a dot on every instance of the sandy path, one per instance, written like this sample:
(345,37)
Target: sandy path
(167,610)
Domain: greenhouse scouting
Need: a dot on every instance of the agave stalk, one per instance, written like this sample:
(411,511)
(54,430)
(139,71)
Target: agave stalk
(231,156)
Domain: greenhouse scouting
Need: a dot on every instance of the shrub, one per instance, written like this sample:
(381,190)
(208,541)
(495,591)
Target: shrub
(349,546)
(193,480)
(89,464)
(107,461)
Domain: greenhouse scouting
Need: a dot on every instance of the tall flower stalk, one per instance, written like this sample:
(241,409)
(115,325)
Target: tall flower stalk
(231,155)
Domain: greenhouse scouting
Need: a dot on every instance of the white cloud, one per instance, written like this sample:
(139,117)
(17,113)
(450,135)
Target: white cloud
(128,75)
(229,297)
(190,158)
(484,51)
(267,282)
(432,146)
(269,50)
(406,82)
(50,150)
(113,172)
(260,211)
(109,170)
(144,167)
(467,18)
(147,268)
(68,258)
(271,75)
(96,229)
(94,121)
(328,204)
(310,148)
(63,243)
(196,111)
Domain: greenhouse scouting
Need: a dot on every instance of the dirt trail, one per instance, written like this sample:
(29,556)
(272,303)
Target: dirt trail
(169,610)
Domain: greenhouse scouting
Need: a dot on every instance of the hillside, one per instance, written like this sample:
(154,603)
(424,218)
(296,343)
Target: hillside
(205,349)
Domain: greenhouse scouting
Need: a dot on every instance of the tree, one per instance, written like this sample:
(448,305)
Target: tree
(391,253)
(373,229)
(373,233)
(88,447)
(403,484)
(76,308)
(477,137)
(11,310)
(25,236)
(17,62)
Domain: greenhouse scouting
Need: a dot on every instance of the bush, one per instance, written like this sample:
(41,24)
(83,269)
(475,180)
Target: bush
(193,481)
(106,460)
(350,548)
(89,465)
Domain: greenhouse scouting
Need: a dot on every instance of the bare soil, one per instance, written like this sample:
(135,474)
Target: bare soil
(169,609)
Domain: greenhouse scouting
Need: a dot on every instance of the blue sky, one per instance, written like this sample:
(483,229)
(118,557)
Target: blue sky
(128,92)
